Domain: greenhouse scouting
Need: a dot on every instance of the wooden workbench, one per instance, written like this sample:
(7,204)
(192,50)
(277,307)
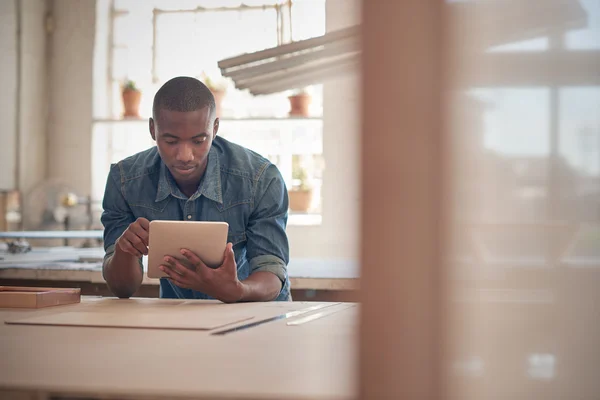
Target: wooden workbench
(313,360)
(311,279)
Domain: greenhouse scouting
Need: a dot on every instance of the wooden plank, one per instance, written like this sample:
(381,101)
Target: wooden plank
(285,49)
(204,319)
(37,297)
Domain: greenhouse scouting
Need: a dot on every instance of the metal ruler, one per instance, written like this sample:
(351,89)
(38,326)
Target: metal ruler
(318,315)
(290,314)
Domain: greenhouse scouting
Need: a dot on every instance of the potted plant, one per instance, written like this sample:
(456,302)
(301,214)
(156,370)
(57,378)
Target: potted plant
(300,195)
(300,101)
(218,90)
(131,99)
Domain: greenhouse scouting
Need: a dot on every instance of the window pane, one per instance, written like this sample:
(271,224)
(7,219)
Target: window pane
(579,179)
(308,19)
(589,36)
(190,43)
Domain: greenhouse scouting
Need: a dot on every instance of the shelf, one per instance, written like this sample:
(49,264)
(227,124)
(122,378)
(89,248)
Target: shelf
(145,120)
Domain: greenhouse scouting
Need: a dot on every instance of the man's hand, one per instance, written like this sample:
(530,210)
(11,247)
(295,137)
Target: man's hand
(122,270)
(134,240)
(221,283)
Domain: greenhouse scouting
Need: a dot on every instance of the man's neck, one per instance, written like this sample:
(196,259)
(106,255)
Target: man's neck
(188,189)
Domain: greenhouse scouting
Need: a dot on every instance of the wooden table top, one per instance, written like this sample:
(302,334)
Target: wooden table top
(315,360)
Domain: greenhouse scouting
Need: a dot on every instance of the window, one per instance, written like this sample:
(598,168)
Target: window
(526,142)
(152,41)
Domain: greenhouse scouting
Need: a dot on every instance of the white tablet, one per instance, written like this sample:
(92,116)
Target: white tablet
(207,239)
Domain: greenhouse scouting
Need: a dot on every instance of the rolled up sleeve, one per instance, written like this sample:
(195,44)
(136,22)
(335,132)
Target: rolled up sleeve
(267,243)
(270,264)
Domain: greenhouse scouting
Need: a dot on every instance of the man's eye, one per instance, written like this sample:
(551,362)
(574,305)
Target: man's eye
(199,141)
(170,142)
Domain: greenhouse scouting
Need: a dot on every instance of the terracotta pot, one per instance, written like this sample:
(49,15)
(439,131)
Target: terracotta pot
(218,95)
(300,200)
(299,104)
(131,103)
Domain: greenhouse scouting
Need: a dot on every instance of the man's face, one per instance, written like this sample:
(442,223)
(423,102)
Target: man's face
(183,140)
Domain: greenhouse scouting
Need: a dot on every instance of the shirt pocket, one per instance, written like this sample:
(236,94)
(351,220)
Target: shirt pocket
(151,211)
(142,203)
(237,193)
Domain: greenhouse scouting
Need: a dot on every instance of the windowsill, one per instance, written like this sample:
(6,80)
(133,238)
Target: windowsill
(302,219)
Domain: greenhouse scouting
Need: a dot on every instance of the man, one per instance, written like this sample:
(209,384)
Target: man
(191,174)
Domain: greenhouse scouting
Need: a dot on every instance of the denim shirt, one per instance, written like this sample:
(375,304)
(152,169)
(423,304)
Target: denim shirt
(239,187)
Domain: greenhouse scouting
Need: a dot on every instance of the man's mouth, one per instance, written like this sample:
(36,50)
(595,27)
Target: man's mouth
(184,169)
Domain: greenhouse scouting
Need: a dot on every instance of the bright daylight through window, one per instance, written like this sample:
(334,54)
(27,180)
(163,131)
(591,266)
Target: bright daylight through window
(151,42)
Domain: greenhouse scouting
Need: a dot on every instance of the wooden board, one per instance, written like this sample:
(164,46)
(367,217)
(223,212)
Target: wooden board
(36,297)
(175,315)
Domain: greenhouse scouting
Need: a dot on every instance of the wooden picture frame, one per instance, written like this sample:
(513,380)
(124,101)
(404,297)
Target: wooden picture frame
(37,297)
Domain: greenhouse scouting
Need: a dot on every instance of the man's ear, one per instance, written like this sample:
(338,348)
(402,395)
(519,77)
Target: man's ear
(151,126)
(215,127)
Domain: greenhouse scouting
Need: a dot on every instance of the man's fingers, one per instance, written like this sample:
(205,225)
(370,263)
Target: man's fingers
(144,223)
(137,243)
(176,266)
(140,233)
(127,247)
(173,276)
(229,256)
(194,259)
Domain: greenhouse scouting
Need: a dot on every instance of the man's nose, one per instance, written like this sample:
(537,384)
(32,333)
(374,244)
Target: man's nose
(185,154)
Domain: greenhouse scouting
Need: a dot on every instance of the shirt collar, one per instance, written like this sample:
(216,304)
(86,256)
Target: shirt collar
(210,185)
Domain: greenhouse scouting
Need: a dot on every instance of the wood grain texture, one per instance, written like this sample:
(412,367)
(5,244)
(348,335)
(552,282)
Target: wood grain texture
(37,297)
(200,319)
(271,361)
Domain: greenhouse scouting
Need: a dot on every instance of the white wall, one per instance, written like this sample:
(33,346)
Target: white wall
(23,95)
(338,236)
(33,99)
(71,81)
(8,94)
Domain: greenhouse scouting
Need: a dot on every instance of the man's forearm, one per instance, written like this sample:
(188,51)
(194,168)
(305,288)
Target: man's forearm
(123,274)
(261,286)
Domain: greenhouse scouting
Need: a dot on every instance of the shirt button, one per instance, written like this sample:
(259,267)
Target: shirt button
(190,216)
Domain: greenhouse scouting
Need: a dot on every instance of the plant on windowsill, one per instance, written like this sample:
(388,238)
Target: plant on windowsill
(218,89)
(131,99)
(300,195)
(300,101)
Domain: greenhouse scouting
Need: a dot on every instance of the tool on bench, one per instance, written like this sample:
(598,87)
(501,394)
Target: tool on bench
(318,315)
(290,314)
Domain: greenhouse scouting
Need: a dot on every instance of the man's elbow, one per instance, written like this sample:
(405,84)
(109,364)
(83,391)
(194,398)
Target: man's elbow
(121,283)
(122,291)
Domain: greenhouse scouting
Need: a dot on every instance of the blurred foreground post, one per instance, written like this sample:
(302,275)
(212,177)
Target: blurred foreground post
(401,190)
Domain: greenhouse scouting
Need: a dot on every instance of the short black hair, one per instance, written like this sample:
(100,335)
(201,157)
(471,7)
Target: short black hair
(183,93)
